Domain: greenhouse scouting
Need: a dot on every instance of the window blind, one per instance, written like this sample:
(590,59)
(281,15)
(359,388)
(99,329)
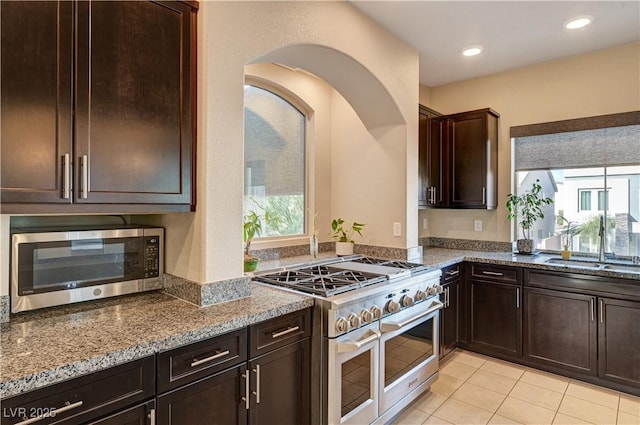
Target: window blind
(603,147)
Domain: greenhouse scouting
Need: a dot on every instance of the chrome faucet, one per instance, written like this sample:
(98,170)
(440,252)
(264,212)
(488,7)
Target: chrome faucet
(601,233)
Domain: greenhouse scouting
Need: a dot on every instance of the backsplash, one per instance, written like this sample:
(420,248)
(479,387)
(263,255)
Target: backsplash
(300,250)
(469,244)
(4,308)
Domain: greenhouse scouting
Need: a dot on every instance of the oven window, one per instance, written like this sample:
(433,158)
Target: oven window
(407,350)
(356,382)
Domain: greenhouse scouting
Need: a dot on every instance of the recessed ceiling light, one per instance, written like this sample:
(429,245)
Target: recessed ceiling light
(472,50)
(578,22)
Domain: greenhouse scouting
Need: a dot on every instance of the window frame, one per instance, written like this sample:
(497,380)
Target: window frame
(309,205)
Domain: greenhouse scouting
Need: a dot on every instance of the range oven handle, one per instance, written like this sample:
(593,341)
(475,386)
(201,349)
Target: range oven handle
(394,326)
(349,346)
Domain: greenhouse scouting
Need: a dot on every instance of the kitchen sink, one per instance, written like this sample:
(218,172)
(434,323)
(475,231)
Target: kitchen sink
(633,268)
(593,265)
(585,264)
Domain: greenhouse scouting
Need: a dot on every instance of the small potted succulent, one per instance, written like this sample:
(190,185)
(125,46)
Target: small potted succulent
(252,227)
(526,209)
(343,235)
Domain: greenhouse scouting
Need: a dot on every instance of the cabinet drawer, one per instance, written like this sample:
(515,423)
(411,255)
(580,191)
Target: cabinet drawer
(278,332)
(186,364)
(504,274)
(85,398)
(451,273)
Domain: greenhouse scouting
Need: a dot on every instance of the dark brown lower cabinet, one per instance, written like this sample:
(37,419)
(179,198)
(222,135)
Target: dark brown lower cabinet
(495,319)
(216,382)
(141,414)
(282,393)
(560,330)
(216,399)
(619,341)
(450,314)
(84,399)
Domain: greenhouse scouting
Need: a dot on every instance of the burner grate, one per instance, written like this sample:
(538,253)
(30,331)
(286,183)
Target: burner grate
(414,267)
(322,280)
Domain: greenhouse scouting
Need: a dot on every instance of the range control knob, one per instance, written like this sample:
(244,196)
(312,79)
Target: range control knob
(392,307)
(342,325)
(354,320)
(432,291)
(376,312)
(407,301)
(439,289)
(366,316)
(420,295)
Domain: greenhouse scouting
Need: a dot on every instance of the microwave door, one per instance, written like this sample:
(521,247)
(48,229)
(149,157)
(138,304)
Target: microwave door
(59,265)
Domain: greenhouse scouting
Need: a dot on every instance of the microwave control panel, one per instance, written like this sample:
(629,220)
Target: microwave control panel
(152,256)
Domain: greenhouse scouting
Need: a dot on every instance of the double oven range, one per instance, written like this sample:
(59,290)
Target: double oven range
(375,337)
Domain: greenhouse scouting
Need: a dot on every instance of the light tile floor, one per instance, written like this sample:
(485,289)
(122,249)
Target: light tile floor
(475,389)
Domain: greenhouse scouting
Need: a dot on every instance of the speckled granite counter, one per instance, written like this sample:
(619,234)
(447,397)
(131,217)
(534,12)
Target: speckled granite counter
(42,348)
(442,257)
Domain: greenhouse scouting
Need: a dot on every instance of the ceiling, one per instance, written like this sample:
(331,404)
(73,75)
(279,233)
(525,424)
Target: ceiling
(513,34)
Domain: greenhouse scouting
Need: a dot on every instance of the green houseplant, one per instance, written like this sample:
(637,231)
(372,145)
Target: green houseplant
(252,227)
(567,233)
(526,209)
(343,235)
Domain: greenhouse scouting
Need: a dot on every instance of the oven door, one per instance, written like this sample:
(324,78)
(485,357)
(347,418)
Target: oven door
(408,351)
(353,377)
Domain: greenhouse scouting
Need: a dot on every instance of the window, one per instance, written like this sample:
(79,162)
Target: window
(585,200)
(589,172)
(275,164)
(603,199)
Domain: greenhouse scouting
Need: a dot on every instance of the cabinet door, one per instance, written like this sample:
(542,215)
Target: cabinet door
(467,158)
(37,48)
(619,341)
(142,414)
(280,380)
(560,330)
(430,158)
(449,317)
(133,102)
(215,400)
(495,322)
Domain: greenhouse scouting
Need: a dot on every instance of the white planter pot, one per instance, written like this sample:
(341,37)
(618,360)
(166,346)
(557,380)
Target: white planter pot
(344,248)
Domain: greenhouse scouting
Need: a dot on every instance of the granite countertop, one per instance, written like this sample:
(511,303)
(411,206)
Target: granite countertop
(443,257)
(48,346)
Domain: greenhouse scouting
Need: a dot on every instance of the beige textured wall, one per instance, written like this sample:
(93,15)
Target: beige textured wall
(599,83)
(205,246)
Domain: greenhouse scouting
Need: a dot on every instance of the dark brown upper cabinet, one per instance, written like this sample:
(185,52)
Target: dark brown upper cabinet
(460,160)
(98,106)
(430,159)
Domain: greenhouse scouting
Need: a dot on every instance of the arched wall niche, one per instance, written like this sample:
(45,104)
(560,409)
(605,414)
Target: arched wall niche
(362,90)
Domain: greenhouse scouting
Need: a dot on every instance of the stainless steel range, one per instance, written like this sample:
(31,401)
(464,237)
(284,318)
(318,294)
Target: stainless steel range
(375,342)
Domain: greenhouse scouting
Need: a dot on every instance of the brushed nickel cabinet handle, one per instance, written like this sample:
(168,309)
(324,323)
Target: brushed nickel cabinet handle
(246,390)
(66,176)
(484,195)
(492,273)
(593,309)
(275,335)
(152,417)
(84,177)
(517,298)
(257,391)
(601,311)
(453,272)
(54,412)
(195,362)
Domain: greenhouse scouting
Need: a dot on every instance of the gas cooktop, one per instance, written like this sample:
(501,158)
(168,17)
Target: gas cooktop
(342,275)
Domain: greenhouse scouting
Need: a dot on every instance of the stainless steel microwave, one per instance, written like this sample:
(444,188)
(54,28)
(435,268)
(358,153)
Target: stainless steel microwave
(64,266)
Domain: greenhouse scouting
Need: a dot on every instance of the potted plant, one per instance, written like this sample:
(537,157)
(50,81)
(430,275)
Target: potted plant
(569,230)
(526,209)
(252,227)
(343,235)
